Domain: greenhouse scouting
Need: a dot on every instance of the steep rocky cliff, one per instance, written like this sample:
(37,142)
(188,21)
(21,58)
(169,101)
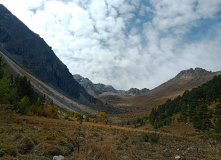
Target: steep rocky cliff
(32,52)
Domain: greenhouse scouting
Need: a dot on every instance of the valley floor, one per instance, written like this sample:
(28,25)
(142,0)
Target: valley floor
(36,138)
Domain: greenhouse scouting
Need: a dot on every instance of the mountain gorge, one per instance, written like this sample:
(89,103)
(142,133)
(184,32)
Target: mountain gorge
(31,52)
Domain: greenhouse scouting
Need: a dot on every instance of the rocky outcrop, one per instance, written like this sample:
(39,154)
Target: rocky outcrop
(192,73)
(135,91)
(32,52)
(95,89)
(87,84)
(105,88)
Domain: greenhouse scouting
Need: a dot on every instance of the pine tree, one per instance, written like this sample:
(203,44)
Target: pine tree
(4,89)
(217,126)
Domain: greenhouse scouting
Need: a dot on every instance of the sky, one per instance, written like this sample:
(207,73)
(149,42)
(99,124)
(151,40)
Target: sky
(127,43)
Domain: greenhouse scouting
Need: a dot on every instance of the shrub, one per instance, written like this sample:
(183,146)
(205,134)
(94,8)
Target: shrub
(51,150)
(2,150)
(217,126)
(150,137)
(8,150)
(26,145)
(86,119)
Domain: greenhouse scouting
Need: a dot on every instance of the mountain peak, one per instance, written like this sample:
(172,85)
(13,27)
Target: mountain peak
(4,10)
(190,73)
(135,91)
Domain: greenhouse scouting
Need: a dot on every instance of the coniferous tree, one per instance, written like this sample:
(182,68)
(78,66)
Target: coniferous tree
(217,126)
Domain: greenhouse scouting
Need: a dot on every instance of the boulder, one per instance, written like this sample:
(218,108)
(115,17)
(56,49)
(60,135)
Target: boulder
(60,157)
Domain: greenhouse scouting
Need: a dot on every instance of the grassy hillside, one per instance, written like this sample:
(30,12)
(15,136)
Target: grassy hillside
(31,137)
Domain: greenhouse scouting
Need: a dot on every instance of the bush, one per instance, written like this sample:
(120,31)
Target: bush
(2,151)
(8,150)
(26,145)
(51,150)
(11,151)
(150,137)
(86,119)
(217,126)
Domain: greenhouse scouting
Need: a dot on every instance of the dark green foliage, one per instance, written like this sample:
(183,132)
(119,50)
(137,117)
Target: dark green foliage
(20,96)
(217,126)
(139,121)
(79,117)
(150,137)
(66,116)
(2,151)
(22,92)
(192,106)
(4,89)
(86,119)
(201,119)
(218,110)
(26,145)
(4,84)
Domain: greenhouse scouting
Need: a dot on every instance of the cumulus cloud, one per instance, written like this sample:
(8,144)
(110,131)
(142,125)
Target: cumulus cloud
(133,43)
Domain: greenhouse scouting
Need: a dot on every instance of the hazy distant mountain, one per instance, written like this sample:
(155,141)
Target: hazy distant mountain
(95,89)
(105,90)
(33,53)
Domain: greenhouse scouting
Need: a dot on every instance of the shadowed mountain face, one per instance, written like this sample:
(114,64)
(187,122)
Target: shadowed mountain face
(32,52)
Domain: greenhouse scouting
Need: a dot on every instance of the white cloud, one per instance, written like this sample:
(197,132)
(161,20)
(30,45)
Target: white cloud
(126,43)
(207,9)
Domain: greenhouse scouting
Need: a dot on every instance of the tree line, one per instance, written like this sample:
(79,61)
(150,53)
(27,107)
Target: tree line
(193,107)
(18,94)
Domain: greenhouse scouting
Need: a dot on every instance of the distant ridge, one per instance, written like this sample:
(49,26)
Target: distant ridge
(105,90)
(191,73)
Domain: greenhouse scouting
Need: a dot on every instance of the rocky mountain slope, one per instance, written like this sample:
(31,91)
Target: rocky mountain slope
(101,90)
(32,52)
(58,99)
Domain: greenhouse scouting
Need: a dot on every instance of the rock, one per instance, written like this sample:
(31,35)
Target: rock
(60,157)
(190,73)
(135,91)
(24,121)
(35,127)
(177,157)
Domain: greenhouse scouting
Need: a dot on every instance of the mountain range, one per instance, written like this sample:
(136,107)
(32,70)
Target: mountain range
(29,51)
(104,90)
